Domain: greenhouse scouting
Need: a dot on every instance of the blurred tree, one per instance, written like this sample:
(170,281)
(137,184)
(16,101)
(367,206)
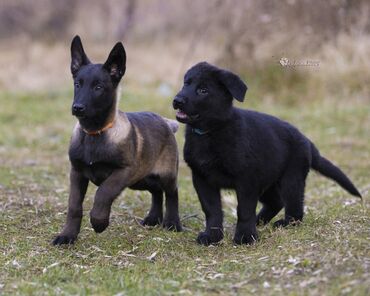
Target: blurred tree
(127,20)
(42,19)
(59,20)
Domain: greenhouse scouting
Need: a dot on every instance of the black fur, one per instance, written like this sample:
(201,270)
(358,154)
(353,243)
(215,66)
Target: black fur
(95,85)
(260,156)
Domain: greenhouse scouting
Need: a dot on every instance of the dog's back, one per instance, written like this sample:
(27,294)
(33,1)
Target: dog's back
(155,143)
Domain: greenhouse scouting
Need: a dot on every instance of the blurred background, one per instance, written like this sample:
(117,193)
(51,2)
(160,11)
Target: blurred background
(306,62)
(288,51)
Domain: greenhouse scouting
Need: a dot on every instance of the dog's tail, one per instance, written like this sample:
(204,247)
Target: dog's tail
(326,168)
(173,124)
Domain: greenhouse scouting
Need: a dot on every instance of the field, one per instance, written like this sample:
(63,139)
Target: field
(329,254)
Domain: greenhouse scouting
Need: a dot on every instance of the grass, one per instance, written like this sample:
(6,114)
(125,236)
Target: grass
(329,254)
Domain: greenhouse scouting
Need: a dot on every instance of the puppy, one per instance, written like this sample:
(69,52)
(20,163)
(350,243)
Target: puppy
(115,150)
(260,156)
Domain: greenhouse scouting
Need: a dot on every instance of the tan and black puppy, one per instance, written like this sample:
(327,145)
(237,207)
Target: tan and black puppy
(115,150)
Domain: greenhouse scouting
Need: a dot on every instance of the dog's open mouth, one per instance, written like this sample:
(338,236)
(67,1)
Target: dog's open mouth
(182,116)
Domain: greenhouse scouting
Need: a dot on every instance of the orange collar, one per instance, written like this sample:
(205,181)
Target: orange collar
(99,132)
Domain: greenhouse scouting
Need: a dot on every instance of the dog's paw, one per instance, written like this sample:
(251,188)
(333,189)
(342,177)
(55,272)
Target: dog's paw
(62,239)
(99,225)
(151,220)
(261,220)
(284,223)
(246,237)
(208,238)
(174,225)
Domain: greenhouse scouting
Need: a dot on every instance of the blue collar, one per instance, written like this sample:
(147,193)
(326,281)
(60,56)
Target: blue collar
(199,132)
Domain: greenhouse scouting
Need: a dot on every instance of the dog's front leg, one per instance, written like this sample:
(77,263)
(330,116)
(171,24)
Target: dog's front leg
(77,193)
(104,197)
(246,232)
(210,199)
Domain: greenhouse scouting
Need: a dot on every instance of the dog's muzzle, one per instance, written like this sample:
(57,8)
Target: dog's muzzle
(78,110)
(178,102)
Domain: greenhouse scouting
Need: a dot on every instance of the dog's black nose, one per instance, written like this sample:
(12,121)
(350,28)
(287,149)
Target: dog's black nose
(178,102)
(78,109)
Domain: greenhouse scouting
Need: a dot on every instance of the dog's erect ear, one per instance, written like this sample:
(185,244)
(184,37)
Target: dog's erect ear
(234,84)
(78,55)
(116,62)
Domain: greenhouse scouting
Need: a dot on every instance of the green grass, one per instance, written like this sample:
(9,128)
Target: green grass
(329,254)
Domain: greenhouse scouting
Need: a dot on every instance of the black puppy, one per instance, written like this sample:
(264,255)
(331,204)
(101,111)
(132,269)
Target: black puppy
(262,157)
(115,150)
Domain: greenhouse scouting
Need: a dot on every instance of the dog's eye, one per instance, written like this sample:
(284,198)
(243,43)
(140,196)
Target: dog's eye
(202,91)
(98,87)
(77,85)
(187,82)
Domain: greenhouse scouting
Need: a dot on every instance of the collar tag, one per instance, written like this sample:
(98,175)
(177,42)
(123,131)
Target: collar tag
(199,131)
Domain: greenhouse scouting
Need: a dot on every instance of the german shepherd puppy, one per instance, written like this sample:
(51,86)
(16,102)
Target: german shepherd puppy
(115,150)
(260,156)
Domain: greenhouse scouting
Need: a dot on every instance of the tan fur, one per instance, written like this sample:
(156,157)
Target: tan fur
(167,162)
(120,130)
(173,124)
(140,142)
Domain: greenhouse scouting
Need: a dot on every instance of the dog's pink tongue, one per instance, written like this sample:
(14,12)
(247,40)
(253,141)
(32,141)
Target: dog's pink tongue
(181,114)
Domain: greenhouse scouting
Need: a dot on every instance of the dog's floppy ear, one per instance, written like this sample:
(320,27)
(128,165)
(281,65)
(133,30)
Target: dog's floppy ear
(78,55)
(234,84)
(116,62)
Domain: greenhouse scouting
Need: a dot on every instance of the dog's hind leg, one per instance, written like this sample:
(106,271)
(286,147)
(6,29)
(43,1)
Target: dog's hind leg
(292,185)
(171,219)
(152,184)
(272,204)
(155,215)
